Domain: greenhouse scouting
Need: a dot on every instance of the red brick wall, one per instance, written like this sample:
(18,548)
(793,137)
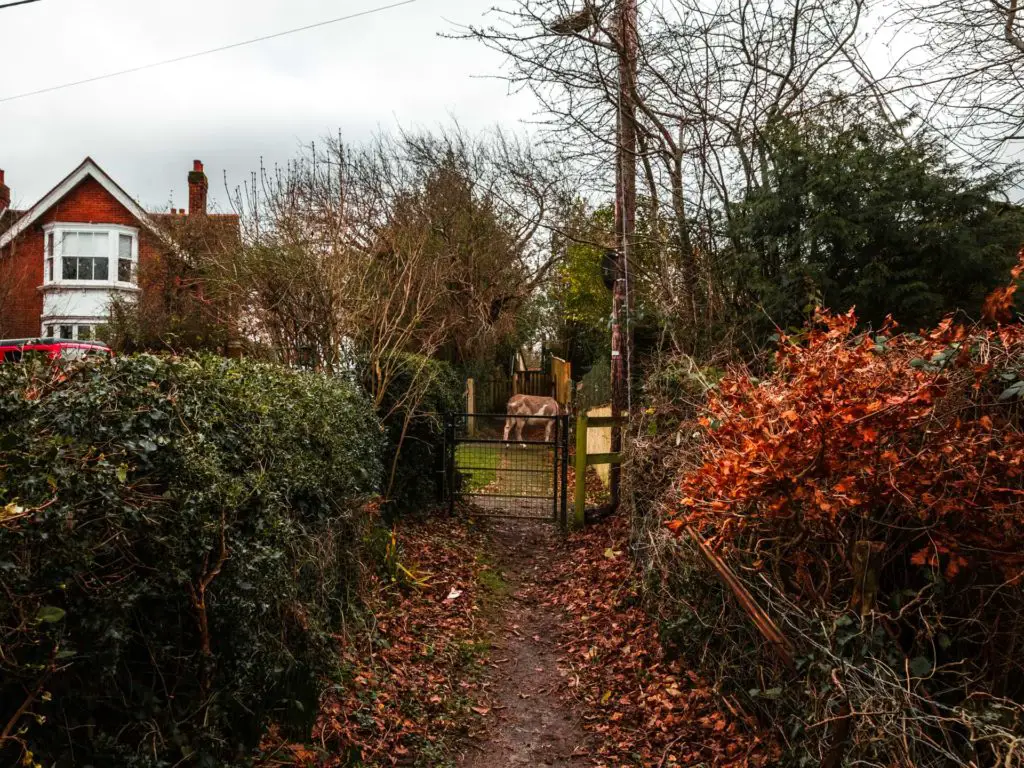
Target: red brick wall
(21,263)
(21,272)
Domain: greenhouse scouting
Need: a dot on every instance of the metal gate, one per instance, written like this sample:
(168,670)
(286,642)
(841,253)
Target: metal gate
(523,478)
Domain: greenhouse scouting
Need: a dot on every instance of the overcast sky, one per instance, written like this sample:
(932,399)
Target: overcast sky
(228,109)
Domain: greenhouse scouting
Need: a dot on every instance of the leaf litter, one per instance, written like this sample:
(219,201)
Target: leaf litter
(407,692)
(576,674)
(640,706)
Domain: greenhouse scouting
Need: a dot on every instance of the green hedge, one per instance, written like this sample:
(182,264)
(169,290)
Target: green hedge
(142,497)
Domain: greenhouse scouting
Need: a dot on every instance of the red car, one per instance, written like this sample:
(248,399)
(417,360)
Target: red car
(12,350)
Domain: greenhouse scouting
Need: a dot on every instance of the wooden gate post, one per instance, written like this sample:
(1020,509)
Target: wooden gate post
(561,380)
(580,509)
(471,406)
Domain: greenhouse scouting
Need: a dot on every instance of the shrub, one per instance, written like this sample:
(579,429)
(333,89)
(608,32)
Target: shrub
(178,539)
(859,433)
(412,410)
(866,496)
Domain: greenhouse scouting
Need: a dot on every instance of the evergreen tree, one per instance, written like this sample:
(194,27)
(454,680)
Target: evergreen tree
(853,214)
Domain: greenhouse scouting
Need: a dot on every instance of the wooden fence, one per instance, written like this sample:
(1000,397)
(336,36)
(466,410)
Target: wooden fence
(584,459)
(491,395)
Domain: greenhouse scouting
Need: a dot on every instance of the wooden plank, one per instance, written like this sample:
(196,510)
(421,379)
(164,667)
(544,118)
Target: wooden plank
(599,440)
(580,509)
(762,621)
(471,406)
(561,374)
(604,458)
(607,421)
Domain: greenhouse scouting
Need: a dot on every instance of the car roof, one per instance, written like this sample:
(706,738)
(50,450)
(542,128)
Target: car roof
(51,343)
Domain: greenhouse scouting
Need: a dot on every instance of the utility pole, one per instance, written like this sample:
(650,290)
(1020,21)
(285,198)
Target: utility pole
(625,227)
(625,205)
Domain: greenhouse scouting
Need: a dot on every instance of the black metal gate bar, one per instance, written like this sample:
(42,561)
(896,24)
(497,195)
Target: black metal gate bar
(507,478)
(565,473)
(506,442)
(554,475)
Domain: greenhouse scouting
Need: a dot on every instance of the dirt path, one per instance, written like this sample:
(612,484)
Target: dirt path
(527,724)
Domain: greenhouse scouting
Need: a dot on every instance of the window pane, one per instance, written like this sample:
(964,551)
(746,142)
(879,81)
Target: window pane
(84,269)
(124,246)
(100,268)
(49,331)
(49,270)
(69,243)
(124,270)
(66,332)
(99,244)
(49,244)
(69,270)
(84,333)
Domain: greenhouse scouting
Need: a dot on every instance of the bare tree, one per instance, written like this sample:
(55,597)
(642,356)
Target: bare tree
(188,296)
(372,257)
(712,76)
(961,66)
(478,212)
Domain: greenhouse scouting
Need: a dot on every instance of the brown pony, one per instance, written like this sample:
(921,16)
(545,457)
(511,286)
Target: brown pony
(521,408)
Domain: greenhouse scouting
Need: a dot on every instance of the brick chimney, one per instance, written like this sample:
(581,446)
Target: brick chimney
(5,193)
(197,186)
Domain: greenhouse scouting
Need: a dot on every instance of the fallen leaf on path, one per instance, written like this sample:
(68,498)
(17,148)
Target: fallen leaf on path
(641,708)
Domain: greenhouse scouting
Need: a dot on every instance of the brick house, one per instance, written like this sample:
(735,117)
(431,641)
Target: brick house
(64,259)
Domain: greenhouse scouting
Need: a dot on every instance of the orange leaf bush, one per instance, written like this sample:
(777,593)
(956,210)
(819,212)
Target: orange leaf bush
(905,446)
(865,503)
(909,439)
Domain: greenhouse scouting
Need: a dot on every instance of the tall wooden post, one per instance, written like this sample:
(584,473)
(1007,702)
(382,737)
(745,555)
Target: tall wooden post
(625,226)
(580,500)
(471,406)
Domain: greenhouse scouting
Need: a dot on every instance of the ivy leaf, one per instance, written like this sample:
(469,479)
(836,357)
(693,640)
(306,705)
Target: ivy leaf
(1014,390)
(920,666)
(50,614)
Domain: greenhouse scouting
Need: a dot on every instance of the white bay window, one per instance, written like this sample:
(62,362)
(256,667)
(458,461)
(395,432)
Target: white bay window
(90,255)
(86,267)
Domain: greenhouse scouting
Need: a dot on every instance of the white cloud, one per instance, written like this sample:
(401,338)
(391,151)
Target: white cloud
(231,108)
